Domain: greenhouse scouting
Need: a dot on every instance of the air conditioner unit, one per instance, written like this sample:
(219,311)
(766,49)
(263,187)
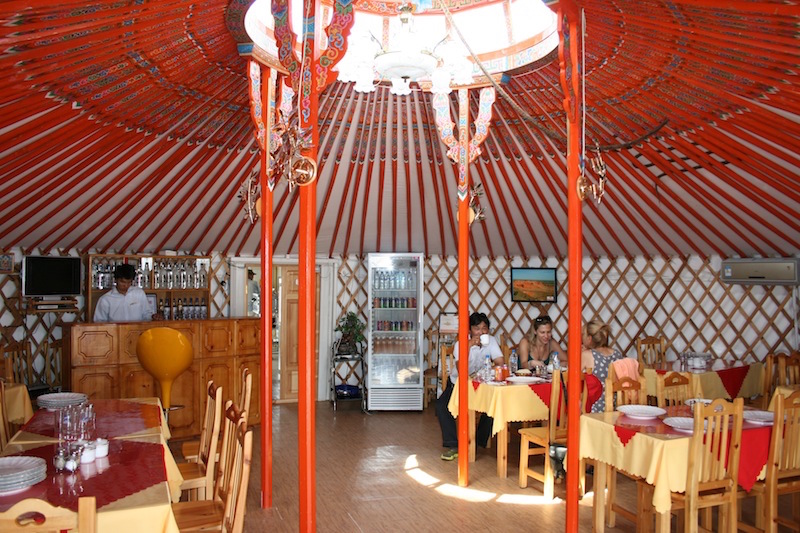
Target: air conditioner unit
(781,271)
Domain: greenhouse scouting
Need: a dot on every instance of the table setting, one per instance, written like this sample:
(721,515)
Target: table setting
(519,398)
(111,449)
(654,445)
(720,379)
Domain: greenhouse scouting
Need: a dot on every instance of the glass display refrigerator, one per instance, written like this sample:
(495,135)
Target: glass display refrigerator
(394,343)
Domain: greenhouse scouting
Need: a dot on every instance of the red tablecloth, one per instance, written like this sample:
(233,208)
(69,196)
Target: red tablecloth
(115,418)
(130,467)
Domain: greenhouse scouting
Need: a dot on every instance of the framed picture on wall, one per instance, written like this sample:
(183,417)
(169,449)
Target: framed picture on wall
(6,263)
(534,285)
(448,324)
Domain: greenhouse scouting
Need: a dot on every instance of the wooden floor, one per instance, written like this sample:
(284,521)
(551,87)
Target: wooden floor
(381,472)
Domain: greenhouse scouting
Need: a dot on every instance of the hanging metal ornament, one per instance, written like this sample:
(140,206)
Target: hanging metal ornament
(289,162)
(475,193)
(249,194)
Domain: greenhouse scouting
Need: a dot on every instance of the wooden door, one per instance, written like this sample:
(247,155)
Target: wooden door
(290,301)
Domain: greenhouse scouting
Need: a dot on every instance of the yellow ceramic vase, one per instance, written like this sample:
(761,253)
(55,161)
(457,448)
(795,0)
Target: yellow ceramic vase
(165,354)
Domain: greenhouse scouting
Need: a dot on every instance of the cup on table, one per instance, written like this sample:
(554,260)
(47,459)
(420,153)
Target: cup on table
(101,448)
(485,340)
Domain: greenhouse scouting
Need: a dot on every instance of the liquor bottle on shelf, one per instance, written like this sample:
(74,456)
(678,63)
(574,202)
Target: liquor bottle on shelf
(167,311)
(180,310)
(203,277)
(182,276)
(203,309)
(146,276)
(170,284)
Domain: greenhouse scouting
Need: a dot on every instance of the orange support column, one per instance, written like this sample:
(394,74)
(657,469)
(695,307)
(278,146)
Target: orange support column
(267,185)
(574,275)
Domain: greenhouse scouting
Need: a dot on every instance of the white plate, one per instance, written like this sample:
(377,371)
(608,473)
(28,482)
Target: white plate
(691,401)
(762,418)
(684,424)
(20,464)
(525,379)
(641,412)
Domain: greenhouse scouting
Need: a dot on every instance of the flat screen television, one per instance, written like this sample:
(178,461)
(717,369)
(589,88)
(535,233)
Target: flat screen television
(51,276)
(534,285)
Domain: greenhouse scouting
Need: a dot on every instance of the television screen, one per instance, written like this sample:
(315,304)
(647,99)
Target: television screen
(51,276)
(534,285)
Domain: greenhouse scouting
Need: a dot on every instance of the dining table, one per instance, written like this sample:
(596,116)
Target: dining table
(782,390)
(134,485)
(659,454)
(18,403)
(726,379)
(506,402)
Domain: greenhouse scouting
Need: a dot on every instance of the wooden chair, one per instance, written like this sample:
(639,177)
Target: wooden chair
(709,481)
(789,369)
(245,390)
(32,515)
(225,512)
(446,362)
(199,475)
(652,352)
(542,437)
(51,375)
(622,391)
(17,359)
(783,468)
(673,389)
(771,377)
(505,346)
(5,431)
(430,376)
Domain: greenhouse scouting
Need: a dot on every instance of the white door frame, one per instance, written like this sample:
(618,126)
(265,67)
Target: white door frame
(327,272)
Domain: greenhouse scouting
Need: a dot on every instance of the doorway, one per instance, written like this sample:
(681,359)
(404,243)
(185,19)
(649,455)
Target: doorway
(247,301)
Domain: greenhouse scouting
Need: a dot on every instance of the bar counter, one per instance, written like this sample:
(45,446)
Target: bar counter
(100,360)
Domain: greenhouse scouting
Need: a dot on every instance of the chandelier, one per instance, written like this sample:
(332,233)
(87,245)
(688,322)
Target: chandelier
(404,59)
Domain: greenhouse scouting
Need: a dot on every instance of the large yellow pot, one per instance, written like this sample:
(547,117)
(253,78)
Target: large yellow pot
(165,353)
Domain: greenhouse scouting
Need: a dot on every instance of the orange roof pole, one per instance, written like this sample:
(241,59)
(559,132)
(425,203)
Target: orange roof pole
(574,277)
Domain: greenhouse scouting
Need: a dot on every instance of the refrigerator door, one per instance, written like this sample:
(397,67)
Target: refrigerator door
(395,332)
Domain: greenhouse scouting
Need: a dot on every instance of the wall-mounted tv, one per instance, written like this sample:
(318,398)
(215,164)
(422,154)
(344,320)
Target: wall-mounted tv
(51,276)
(534,285)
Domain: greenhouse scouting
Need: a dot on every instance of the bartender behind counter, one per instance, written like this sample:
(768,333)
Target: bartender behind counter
(124,303)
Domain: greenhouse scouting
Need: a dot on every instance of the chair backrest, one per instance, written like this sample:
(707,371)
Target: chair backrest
(771,377)
(624,391)
(784,461)
(212,422)
(234,495)
(51,375)
(447,359)
(33,515)
(246,389)
(5,432)
(715,444)
(789,369)
(673,388)
(232,419)
(17,359)
(651,352)
(558,406)
(505,346)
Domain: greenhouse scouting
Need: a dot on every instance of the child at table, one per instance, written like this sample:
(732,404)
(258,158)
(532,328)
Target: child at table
(478,325)
(597,356)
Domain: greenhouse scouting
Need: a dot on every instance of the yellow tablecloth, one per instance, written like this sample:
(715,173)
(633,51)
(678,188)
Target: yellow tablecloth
(783,390)
(146,510)
(709,385)
(18,403)
(504,403)
(662,460)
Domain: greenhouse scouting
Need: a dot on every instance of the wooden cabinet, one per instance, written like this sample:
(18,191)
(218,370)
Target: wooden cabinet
(185,291)
(100,360)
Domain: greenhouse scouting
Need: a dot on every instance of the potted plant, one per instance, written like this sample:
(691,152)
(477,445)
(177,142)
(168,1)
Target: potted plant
(352,329)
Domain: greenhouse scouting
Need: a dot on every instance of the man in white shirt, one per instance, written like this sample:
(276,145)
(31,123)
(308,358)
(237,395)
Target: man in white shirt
(124,303)
(478,327)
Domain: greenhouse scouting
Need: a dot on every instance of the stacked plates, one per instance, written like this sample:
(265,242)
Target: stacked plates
(20,472)
(57,400)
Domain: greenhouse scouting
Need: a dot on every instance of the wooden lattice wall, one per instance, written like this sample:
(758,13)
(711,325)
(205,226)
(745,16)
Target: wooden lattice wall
(40,329)
(682,299)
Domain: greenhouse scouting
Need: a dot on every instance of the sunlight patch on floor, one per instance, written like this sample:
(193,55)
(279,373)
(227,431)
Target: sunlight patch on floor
(467,494)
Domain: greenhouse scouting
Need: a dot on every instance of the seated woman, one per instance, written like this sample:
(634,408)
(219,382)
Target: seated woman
(536,347)
(597,356)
